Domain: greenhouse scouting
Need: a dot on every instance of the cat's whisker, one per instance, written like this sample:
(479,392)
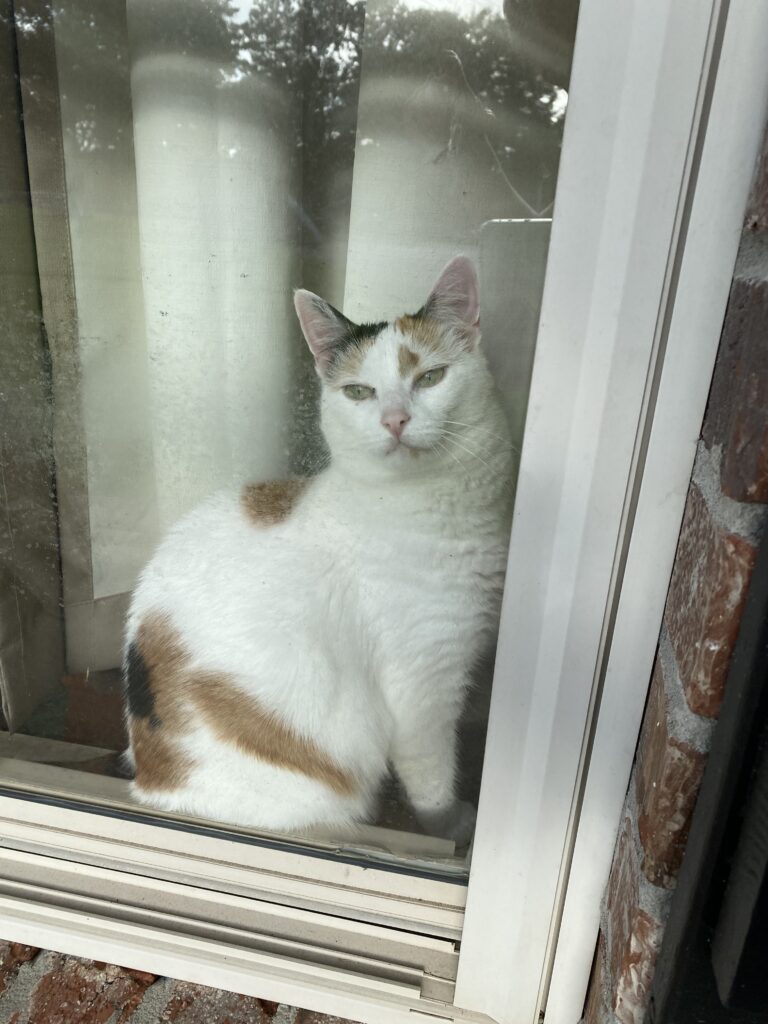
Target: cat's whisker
(486,448)
(476,429)
(482,430)
(469,451)
(486,445)
(507,485)
(440,446)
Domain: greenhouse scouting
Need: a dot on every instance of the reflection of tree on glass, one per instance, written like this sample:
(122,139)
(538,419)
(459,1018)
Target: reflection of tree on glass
(289,641)
(190,163)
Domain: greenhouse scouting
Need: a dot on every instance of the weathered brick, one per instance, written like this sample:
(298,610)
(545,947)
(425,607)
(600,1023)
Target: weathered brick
(757,208)
(82,992)
(596,1010)
(667,783)
(737,411)
(704,604)
(12,956)
(622,900)
(633,986)
(310,1017)
(196,1004)
(633,934)
(142,977)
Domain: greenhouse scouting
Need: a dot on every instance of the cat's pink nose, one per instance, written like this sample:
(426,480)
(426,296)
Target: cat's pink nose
(395,422)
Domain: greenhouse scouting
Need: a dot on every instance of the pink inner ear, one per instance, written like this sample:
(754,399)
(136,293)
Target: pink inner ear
(320,325)
(456,294)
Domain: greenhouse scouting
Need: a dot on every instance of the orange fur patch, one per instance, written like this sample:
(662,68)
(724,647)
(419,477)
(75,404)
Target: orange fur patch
(407,360)
(270,503)
(179,690)
(237,718)
(160,763)
(424,331)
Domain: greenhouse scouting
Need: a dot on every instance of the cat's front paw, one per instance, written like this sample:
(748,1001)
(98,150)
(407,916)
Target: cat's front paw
(457,822)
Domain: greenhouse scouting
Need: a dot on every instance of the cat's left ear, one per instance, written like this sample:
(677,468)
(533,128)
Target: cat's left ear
(322,325)
(455,300)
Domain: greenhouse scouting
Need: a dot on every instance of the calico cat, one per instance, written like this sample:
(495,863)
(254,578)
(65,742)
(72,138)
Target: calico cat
(290,642)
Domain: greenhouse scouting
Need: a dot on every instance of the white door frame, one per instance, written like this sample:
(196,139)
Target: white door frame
(667,109)
(735,124)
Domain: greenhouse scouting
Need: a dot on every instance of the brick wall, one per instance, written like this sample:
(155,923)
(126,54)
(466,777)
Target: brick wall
(40,987)
(725,514)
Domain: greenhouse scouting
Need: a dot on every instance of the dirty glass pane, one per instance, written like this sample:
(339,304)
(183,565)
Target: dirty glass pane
(311,652)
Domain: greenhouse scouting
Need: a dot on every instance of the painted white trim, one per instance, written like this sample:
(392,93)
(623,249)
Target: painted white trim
(232,967)
(273,873)
(736,124)
(638,93)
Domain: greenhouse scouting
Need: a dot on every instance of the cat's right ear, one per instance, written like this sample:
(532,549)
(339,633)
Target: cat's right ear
(322,325)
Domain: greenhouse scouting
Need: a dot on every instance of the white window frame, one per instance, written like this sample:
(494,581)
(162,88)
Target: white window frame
(668,105)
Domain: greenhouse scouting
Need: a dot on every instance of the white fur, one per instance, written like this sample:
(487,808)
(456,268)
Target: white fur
(359,618)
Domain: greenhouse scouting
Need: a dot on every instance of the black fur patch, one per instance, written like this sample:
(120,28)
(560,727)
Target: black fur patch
(141,700)
(354,336)
(348,334)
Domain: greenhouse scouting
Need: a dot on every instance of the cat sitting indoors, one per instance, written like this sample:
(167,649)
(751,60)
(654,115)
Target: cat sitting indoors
(290,642)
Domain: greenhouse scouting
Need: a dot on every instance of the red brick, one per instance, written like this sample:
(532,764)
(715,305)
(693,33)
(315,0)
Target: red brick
(633,986)
(737,411)
(596,1010)
(706,596)
(667,781)
(12,956)
(142,977)
(80,992)
(633,935)
(310,1017)
(196,1004)
(757,208)
(622,900)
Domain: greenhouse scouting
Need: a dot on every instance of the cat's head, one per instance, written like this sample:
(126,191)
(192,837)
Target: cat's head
(399,393)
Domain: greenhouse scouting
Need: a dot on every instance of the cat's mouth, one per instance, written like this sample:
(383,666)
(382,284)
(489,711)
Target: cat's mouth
(407,447)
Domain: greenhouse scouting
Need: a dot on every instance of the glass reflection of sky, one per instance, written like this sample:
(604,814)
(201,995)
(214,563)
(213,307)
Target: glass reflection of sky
(468,8)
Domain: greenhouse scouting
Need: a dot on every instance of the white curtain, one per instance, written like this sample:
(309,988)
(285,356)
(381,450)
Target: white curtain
(184,184)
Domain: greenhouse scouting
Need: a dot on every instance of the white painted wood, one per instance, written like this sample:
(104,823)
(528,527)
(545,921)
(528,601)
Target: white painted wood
(272,925)
(271,977)
(734,131)
(292,872)
(635,95)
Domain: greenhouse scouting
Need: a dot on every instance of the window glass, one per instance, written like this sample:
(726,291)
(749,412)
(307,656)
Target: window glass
(253,535)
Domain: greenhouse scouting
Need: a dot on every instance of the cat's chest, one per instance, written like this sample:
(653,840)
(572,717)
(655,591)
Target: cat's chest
(418,571)
(420,583)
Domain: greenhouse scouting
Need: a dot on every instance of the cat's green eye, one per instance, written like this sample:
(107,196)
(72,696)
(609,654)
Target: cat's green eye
(430,378)
(358,392)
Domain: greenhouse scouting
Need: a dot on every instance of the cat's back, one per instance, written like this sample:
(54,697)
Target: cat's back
(236,549)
